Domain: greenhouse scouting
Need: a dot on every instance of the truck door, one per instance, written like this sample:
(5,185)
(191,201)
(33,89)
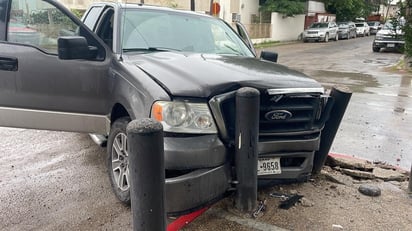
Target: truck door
(241,30)
(37,88)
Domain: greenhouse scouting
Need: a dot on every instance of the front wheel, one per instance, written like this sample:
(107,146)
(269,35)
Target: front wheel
(118,160)
(326,38)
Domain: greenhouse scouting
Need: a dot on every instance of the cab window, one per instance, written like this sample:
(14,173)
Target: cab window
(39,24)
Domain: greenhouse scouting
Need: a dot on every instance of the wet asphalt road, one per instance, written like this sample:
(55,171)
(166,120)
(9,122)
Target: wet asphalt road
(58,180)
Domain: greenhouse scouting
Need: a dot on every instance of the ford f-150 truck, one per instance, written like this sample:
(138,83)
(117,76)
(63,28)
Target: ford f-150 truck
(130,61)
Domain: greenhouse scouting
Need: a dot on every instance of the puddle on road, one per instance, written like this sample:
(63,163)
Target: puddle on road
(365,83)
(357,82)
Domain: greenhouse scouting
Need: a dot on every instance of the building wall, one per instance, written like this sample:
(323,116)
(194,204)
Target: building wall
(203,5)
(388,11)
(315,7)
(286,28)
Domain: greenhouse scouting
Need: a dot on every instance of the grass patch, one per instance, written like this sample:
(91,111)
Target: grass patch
(266,44)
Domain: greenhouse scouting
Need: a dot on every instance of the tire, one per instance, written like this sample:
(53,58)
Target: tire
(348,36)
(118,161)
(376,49)
(337,37)
(326,37)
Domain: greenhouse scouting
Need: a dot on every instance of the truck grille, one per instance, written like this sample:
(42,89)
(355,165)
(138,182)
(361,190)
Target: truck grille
(294,114)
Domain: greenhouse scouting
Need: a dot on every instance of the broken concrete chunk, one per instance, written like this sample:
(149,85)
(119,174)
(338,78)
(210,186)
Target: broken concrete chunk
(337,227)
(358,173)
(306,202)
(350,163)
(338,178)
(388,175)
(370,190)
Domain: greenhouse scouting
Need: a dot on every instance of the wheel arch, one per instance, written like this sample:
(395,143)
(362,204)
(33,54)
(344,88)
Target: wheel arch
(118,111)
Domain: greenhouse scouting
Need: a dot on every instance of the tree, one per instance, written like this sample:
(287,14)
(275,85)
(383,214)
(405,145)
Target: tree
(287,7)
(348,9)
(405,12)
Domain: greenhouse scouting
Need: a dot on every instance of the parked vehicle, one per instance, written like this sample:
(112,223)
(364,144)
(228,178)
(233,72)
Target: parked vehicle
(362,29)
(183,69)
(347,30)
(390,36)
(321,31)
(374,26)
(21,33)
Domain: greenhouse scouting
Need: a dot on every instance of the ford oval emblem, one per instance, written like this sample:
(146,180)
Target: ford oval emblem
(278,115)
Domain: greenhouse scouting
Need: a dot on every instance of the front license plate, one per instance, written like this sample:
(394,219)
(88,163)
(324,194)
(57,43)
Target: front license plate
(391,45)
(268,166)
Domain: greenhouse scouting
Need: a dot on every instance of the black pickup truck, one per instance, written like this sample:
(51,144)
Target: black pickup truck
(129,61)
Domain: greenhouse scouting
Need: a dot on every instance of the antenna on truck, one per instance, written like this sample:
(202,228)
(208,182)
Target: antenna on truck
(122,27)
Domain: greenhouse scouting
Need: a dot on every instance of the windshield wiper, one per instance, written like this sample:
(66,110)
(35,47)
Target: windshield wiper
(150,49)
(236,52)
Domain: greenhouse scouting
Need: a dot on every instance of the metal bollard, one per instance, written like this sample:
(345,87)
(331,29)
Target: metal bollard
(341,95)
(410,183)
(147,174)
(246,154)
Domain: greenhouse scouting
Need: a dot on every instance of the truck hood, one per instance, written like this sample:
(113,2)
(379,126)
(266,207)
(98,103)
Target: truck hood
(206,75)
(387,32)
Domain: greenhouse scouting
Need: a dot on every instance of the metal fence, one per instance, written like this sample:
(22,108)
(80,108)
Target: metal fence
(259,30)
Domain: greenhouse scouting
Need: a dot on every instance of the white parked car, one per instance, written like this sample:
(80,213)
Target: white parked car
(362,29)
(321,31)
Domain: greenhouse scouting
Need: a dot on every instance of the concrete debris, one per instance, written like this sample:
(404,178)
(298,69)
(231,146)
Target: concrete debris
(350,163)
(338,178)
(358,173)
(306,202)
(362,169)
(388,175)
(370,190)
(337,227)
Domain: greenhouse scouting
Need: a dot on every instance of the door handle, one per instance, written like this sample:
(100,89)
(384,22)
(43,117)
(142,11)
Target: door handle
(8,64)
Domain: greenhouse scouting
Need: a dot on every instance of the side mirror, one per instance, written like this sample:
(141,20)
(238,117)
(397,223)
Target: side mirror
(75,47)
(269,56)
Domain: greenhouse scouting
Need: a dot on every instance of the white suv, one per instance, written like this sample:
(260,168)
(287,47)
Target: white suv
(321,31)
(362,29)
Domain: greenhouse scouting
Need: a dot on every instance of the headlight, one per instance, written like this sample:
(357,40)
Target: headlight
(184,117)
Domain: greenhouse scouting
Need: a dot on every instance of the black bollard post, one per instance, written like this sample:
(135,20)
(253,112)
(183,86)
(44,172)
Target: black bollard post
(147,174)
(410,183)
(246,154)
(341,96)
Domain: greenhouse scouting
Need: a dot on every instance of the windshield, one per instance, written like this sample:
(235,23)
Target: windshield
(390,26)
(343,25)
(319,25)
(155,30)
(360,25)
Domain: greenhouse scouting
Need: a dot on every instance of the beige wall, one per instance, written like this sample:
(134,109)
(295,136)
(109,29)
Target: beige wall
(243,7)
(180,4)
(288,28)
